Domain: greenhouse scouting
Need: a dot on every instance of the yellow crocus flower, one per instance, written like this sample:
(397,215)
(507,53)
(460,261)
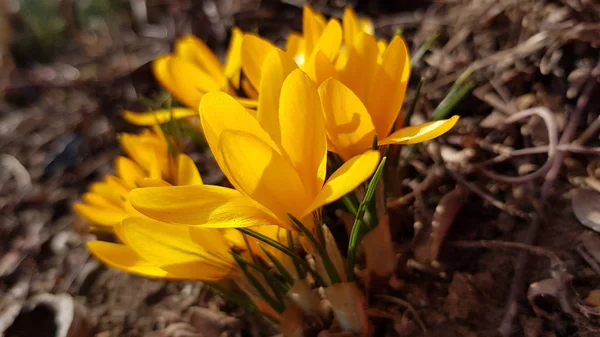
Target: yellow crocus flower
(156,249)
(365,98)
(190,72)
(319,39)
(276,161)
(147,164)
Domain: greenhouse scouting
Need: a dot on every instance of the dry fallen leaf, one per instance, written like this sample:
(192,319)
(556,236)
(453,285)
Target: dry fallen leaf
(586,206)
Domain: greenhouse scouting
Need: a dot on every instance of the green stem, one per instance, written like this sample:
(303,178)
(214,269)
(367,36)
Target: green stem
(280,268)
(358,221)
(285,250)
(334,276)
(274,303)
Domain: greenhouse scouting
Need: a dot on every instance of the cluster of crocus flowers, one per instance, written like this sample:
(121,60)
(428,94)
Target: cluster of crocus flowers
(273,119)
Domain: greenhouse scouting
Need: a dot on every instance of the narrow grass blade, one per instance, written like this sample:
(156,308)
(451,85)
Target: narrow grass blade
(359,221)
(334,276)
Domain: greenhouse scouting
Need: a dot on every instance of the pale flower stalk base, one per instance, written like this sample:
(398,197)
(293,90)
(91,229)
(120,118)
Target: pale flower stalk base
(348,304)
(379,252)
(307,299)
(291,321)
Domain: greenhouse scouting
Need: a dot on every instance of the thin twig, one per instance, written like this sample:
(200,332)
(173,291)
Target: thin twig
(593,129)
(548,119)
(555,261)
(434,174)
(485,196)
(589,259)
(408,306)
(539,149)
(568,135)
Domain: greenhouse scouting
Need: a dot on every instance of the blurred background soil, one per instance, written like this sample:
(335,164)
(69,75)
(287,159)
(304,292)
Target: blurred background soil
(68,69)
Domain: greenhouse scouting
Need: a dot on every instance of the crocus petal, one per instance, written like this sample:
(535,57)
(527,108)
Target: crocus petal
(349,126)
(151,182)
(324,69)
(97,200)
(187,172)
(180,250)
(330,41)
(117,185)
(347,178)
(100,216)
(247,102)
(107,192)
(302,130)
(233,63)
(218,112)
(128,170)
(329,44)
(420,133)
(263,174)
(204,205)
(361,68)
(313,25)
(196,51)
(387,93)
(276,67)
(254,52)
(123,258)
(184,79)
(146,149)
(294,47)
(350,25)
(157,116)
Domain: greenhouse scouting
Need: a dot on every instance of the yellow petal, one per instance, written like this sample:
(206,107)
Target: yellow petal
(186,252)
(151,182)
(196,51)
(218,112)
(389,87)
(157,116)
(329,44)
(205,205)
(187,172)
(123,258)
(420,133)
(100,216)
(184,79)
(302,130)
(263,174)
(347,178)
(349,126)
(128,170)
(107,192)
(294,47)
(276,67)
(312,28)
(361,68)
(254,52)
(350,25)
(149,150)
(95,199)
(330,41)
(324,69)
(233,60)
(248,102)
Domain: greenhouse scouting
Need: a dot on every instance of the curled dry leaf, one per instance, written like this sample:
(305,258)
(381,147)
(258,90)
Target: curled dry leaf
(69,318)
(593,300)
(586,206)
(593,179)
(543,296)
(428,241)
